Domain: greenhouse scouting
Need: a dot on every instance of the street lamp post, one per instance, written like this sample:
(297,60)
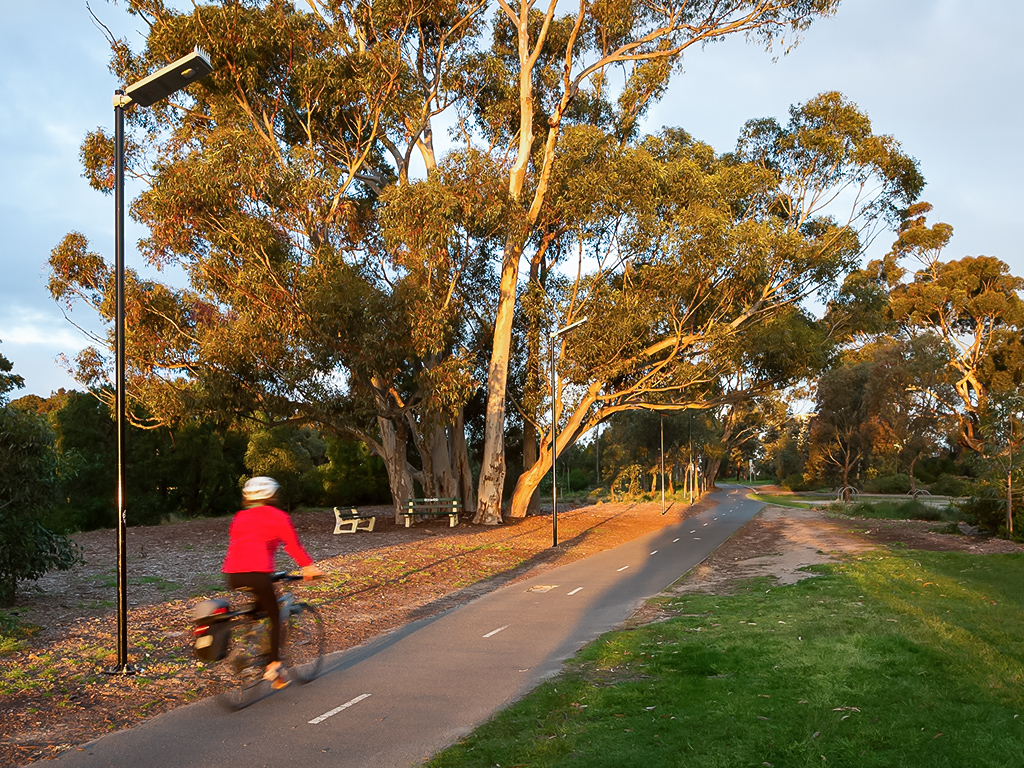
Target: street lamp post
(554,334)
(663,510)
(1009,482)
(145,93)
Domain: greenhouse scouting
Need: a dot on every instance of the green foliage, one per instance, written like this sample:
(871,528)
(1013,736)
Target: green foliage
(795,482)
(986,508)
(911,660)
(28,487)
(898,510)
(352,475)
(951,485)
(888,484)
(290,456)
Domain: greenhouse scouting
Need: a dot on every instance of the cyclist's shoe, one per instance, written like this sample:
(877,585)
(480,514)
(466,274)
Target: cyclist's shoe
(276,675)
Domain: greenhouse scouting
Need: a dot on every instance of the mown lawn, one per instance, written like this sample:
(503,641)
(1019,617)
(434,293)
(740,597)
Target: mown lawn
(901,658)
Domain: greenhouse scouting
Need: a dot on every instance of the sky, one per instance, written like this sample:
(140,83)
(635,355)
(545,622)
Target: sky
(942,76)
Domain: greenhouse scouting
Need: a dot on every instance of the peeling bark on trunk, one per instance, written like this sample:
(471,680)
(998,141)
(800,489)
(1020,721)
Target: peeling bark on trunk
(460,459)
(444,480)
(393,441)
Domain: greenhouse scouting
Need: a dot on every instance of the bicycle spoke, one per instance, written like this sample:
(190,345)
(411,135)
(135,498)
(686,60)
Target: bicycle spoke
(244,664)
(303,643)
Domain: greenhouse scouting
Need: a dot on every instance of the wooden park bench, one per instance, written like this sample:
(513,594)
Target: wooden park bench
(351,521)
(423,508)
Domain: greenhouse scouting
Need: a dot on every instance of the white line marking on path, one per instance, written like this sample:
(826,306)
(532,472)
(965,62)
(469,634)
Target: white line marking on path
(336,710)
(578,589)
(492,633)
(674,540)
(623,568)
(654,552)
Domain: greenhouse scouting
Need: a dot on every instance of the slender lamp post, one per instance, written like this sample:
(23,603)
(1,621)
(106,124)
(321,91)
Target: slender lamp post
(663,464)
(145,93)
(554,334)
(1009,483)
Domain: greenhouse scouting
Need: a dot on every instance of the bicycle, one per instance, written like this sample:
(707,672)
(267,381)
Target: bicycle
(237,643)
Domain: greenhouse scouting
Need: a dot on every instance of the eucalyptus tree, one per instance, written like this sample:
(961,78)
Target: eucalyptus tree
(973,305)
(697,297)
(264,184)
(601,63)
(967,312)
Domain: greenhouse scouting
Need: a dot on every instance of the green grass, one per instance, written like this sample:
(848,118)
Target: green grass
(906,509)
(899,659)
(785,501)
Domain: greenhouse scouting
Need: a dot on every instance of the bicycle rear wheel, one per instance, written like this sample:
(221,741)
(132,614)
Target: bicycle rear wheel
(242,669)
(302,648)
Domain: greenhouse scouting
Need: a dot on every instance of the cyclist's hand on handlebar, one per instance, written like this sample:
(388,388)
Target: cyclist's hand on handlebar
(310,572)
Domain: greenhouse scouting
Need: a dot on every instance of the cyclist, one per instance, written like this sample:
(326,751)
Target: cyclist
(256,532)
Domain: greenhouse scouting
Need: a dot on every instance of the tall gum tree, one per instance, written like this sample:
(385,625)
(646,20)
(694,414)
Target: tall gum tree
(973,305)
(263,184)
(708,260)
(561,63)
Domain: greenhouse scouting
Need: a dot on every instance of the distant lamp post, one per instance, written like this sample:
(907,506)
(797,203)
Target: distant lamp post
(145,93)
(554,334)
(1009,480)
(663,510)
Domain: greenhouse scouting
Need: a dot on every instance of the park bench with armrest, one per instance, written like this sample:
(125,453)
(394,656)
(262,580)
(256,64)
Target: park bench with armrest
(351,521)
(422,508)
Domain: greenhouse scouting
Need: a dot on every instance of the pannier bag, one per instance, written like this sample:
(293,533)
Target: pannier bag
(212,630)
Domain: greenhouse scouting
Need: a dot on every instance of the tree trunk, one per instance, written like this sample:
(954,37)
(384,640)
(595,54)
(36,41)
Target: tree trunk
(460,458)
(445,483)
(530,456)
(393,442)
(492,464)
(526,486)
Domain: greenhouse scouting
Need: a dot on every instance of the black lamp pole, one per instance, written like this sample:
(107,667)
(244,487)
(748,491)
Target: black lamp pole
(554,334)
(145,93)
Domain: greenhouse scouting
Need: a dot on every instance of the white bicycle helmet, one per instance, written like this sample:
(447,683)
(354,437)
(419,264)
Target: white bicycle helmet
(260,489)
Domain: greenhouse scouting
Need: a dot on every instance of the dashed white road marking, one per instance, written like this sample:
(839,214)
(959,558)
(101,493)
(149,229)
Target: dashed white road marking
(578,589)
(654,552)
(336,710)
(493,632)
(674,540)
(692,531)
(623,568)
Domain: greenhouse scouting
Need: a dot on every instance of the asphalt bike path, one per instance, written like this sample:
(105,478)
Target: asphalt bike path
(400,698)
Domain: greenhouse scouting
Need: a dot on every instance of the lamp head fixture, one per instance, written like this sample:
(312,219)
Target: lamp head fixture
(167,80)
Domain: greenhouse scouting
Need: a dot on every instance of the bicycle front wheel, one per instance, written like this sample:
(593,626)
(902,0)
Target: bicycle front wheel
(242,669)
(303,643)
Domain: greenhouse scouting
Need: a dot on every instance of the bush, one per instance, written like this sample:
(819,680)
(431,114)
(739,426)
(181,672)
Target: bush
(892,510)
(951,485)
(986,509)
(795,482)
(890,484)
(28,485)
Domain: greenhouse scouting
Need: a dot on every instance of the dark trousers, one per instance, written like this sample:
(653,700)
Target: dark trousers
(266,598)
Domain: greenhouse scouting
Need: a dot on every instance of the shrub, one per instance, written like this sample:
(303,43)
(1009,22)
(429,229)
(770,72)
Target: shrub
(795,482)
(28,484)
(890,484)
(951,485)
(986,509)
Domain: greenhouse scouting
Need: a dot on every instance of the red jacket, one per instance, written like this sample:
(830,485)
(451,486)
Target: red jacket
(254,537)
